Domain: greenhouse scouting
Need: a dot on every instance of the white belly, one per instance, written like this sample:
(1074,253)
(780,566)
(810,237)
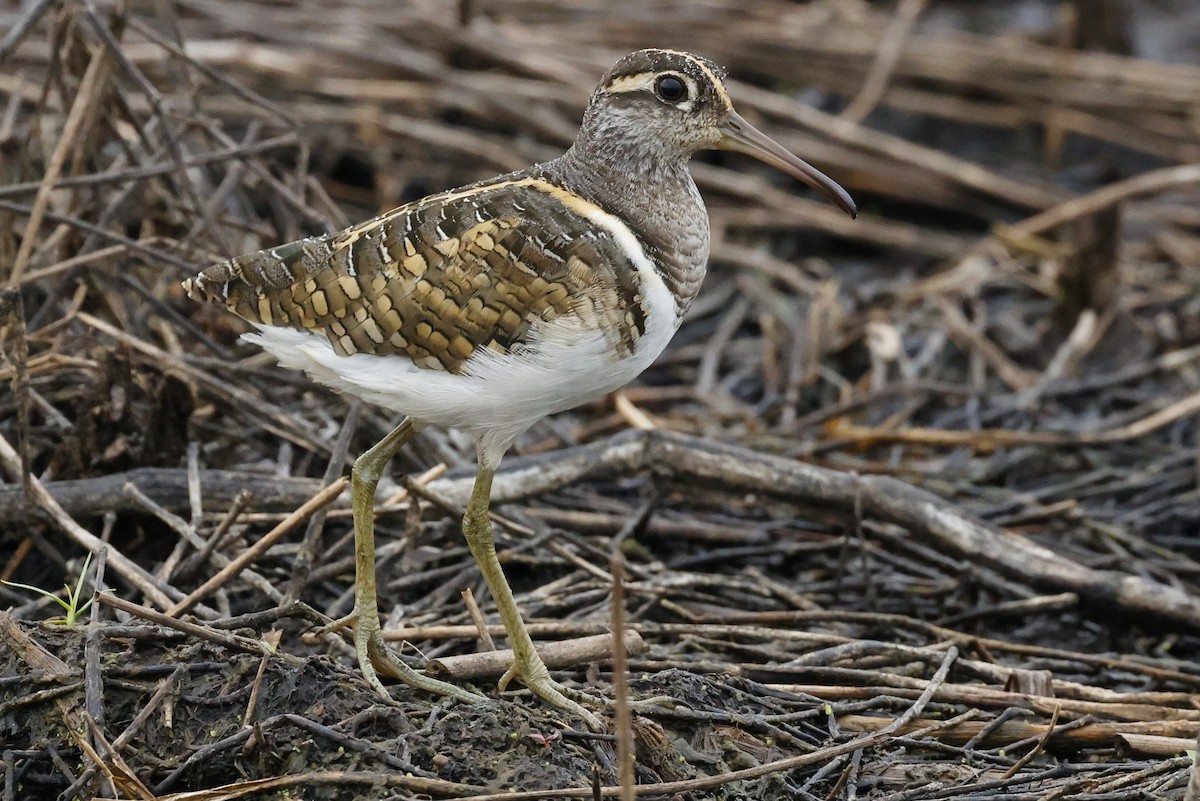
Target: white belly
(498,396)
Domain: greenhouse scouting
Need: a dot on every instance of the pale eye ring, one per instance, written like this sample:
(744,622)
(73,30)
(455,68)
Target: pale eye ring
(671,89)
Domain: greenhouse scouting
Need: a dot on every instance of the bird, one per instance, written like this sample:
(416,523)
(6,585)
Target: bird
(488,307)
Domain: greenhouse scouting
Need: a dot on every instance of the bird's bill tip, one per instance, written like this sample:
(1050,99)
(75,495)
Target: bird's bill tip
(742,137)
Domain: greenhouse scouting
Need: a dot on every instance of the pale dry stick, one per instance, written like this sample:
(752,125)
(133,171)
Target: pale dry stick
(1148,424)
(974,267)
(822,320)
(934,728)
(107,216)
(620,681)
(976,733)
(677,456)
(388,91)
(90,89)
(1023,607)
(568,554)
(51,331)
(48,363)
(859,686)
(54,418)
(457,631)
(260,547)
(894,39)
(127,568)
(1128,745)
(485,636)
(1054,133)
(631,414)
(1165,135)
(573,628)
(195,497)
(903,623)
(100,231)
(1083,337)
(559,654)
(1146,183)
(748,259)
(17,558)
(989,439)
(425,492)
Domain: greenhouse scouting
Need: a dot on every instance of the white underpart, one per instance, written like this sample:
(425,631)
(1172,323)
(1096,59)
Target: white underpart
(498,396)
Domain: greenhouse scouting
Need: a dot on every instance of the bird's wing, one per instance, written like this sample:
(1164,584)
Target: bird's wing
(440,278)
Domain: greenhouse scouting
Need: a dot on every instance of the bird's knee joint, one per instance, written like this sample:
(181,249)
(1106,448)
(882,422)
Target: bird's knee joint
(364,471)
(478,528)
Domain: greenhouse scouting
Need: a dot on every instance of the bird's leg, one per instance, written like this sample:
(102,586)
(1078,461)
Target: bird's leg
(527,664)
(373,653)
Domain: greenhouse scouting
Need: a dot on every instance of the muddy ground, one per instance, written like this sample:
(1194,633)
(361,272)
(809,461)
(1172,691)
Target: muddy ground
(908,509)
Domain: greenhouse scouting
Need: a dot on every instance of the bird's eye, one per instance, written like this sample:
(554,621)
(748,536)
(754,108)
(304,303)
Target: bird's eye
(671,89)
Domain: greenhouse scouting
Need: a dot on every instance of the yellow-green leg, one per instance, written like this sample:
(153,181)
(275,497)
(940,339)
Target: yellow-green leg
(373,653)
(477,528)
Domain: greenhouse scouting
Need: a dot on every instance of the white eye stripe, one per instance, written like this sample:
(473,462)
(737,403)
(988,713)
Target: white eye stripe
(632,83)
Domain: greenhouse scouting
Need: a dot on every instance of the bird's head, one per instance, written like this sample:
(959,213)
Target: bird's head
(665,105)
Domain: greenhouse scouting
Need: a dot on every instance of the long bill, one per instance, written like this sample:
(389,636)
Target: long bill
(742,137)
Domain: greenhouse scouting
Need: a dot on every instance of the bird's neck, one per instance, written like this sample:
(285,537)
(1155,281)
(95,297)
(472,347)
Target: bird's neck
(655,196)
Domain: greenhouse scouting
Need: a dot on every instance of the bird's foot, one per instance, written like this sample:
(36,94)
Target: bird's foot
(374,657)
(535,676)
(344,622)
(655,703)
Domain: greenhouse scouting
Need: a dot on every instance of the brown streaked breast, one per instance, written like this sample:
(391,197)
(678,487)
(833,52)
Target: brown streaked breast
(442,277)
